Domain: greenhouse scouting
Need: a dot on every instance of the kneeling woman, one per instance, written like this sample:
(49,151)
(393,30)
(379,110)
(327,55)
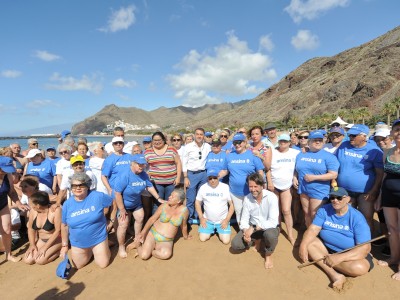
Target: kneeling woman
(163,226)
(84,223)
(43,230)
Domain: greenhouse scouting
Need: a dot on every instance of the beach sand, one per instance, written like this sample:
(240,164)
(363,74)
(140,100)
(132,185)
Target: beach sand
(196,271)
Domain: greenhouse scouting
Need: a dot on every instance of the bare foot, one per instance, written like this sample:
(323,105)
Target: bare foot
(269,264)
(386,263)
(13,258)
(337,285)
(122,253)
(396,276)
(132,246)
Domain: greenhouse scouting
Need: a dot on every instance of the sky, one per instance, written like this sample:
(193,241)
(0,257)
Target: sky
(63,61)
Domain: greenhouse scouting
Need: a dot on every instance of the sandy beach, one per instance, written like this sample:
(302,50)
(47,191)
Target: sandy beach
(196,271)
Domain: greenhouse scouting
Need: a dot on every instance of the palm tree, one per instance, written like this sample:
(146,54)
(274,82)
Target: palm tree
(363,112)
(308,123)
(389,109)
(396,103)
(293,122)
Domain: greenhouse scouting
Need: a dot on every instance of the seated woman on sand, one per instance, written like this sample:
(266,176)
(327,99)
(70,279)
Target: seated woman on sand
(163,227)
(43,231)
(338,226)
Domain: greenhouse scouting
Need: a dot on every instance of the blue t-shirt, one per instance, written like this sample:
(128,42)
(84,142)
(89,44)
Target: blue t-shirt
(315,163)
(85,219)
(215,161)
(341,232)
(239,167)
(227,147)
(357,166)
(115,164)
(46,170)
(131,187)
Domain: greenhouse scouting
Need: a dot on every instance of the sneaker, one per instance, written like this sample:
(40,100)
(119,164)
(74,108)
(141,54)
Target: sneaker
(386,251)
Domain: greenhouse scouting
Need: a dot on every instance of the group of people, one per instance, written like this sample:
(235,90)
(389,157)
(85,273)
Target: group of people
(340,177)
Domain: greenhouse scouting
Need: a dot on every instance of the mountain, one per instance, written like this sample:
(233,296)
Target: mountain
(180,116)
(364,76)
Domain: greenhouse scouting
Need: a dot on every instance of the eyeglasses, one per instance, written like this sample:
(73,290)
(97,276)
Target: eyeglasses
(34,144)
(301,137)
(63,152)
(200,155)
(339,198)
(335,136)
(118,143)
(212,177)
(76,186)
(176,140)
(236,143)
(223,136)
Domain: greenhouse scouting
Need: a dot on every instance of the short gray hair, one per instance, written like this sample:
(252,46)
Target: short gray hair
(32,140)
(81,177)
(180,193)
(64,146)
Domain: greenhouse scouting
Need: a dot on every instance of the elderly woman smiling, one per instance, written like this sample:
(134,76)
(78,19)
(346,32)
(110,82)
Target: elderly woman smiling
(84,223)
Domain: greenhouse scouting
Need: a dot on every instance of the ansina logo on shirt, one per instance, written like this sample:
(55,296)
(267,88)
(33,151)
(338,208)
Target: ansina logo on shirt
(122,163)
(352,154)
(336,226)
(308,159)
(138,183)
(81,212)
(213,194)
(238,161)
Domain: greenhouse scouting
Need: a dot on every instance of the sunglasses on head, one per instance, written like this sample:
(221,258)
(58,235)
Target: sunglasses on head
(301,137)
(340,198)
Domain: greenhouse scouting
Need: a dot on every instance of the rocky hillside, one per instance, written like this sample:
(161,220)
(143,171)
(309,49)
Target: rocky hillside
(364,76)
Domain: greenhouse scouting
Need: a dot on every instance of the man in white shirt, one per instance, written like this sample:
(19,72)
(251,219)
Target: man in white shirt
(260,219)
(119,132)
(194,169)
(215,197)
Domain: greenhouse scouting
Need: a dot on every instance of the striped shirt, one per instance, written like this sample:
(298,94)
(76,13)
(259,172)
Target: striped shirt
(162,168)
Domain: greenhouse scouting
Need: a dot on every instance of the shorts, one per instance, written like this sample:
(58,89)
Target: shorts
(212,227)
(368,257)
(354,195)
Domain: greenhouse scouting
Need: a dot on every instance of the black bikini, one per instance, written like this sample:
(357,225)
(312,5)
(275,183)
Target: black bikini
(48,226)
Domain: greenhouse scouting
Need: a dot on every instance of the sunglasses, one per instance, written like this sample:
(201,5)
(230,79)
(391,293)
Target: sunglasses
(223,136)
(352,136)
(235,143)
(76,186)
(301,137)
(118,143)
(334,136)
(212,178)
(63,152)
(340,198)
(176,140)
(35,144)
(200,155)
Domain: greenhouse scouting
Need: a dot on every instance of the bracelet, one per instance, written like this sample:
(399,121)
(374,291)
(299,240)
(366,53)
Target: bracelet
(64,244)
(112,220)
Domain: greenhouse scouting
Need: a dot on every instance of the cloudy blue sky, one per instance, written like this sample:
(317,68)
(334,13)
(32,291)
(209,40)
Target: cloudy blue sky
(62,61)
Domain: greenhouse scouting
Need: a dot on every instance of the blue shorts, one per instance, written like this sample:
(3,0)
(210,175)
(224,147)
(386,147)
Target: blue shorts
(212,227)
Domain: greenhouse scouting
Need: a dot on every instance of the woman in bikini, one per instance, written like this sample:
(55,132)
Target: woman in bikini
(163,227)
(43,231)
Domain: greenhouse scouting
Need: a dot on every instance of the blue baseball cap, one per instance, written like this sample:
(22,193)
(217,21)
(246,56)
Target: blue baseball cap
(338,191)
(6,164)
(51,148)
(139,159)
(357,129)
(337,130)
(284,137)
(208,134)
(395,122)
(64,133)
(316,134)
(63,268)
(239,137)
(212,172)
(147,139)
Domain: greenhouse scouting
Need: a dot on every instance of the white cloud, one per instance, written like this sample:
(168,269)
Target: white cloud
(124,83)
(305,40)
(121,19)
(87,83)
(41,103)
(311,9)
(231,70)
(11,73)
(46,56)
(266,43)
